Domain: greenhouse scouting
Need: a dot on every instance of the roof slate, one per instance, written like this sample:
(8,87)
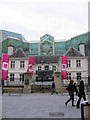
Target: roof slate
(72,52)
(18,53)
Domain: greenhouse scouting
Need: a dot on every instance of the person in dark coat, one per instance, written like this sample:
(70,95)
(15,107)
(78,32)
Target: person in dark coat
(81,93)
(70,88)
(75,89)
(53,88)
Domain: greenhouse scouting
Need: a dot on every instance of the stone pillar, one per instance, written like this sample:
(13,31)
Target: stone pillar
(57,80)
(27,83)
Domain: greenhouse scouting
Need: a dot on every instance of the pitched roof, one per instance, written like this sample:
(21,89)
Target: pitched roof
(18,53)
(72,52)
(46,59)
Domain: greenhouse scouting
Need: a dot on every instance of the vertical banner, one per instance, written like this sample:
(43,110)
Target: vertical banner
(89,68)
(31,65)
(5,66)
(63,67)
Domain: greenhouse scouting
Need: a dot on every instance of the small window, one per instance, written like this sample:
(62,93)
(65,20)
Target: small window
(12,77)
(68,63)
(12,64)
(78,63)
(21,77)
(39,67)
(68,76)
(46,67)
(78,76)
(54,68)
(21,64)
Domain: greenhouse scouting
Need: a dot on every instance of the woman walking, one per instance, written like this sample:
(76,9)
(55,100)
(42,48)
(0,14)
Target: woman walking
(70,89)
(81,93)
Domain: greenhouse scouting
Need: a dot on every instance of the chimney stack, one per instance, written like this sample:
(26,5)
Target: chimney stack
(10,49)
(81,48)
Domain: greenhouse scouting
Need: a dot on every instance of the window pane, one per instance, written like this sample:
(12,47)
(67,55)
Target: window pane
(12,64)
(21,77)
(68,63)
(39,67)
(78,63)
(11,77)
(21,64)
(68,76)
(54,68)
(78,76)
(46,67)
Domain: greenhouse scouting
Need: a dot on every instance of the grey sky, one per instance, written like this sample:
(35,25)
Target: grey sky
(62,19)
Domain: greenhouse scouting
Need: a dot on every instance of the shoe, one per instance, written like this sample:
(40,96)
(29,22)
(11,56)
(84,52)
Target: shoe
(65,103)
(77,107)
(73,105)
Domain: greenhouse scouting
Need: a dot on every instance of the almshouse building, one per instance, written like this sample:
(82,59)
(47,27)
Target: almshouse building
(77,65)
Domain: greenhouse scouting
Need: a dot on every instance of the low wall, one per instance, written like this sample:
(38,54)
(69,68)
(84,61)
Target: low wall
(13,89)
(34,89)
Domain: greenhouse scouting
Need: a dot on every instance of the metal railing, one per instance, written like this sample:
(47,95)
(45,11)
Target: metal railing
(15,82)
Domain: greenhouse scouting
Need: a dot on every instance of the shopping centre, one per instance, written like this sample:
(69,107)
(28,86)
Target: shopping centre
(47,55)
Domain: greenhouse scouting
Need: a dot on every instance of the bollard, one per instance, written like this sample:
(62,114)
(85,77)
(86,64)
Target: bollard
(85,110)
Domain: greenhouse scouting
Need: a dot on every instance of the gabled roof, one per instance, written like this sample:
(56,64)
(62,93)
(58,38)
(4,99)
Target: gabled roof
(18,53)
(72,52)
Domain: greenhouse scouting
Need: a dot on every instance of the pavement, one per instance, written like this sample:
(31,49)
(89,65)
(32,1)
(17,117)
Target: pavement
(38,105)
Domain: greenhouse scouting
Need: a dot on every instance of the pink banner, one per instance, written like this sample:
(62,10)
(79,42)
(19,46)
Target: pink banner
(31,65)
(64,67)
(5,66)
(89,55)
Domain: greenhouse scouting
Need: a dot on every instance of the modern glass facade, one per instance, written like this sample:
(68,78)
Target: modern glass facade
(47,45)
(7,34)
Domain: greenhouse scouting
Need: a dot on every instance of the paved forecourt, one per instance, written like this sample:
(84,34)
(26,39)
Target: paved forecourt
(38,105)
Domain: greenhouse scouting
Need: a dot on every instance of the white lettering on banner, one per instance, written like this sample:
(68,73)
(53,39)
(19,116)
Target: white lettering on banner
(64,67)
(5,66)
(30,67)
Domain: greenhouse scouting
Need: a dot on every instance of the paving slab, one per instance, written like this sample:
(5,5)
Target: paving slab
(38,105)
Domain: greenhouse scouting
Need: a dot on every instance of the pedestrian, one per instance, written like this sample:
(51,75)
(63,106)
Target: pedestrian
(75,89)
(70,88)
(2,91)
(53,88)
(81,93)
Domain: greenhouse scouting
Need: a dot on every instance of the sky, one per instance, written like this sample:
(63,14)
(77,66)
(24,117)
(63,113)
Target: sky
(63,19)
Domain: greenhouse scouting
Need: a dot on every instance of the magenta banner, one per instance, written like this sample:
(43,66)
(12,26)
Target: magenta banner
(5,66)
(89,55)
(31,65)
(63,67)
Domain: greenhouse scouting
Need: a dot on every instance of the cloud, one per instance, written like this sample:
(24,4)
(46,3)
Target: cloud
(33,18)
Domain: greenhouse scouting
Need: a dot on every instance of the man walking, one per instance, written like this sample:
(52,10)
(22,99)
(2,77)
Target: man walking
(53,88)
